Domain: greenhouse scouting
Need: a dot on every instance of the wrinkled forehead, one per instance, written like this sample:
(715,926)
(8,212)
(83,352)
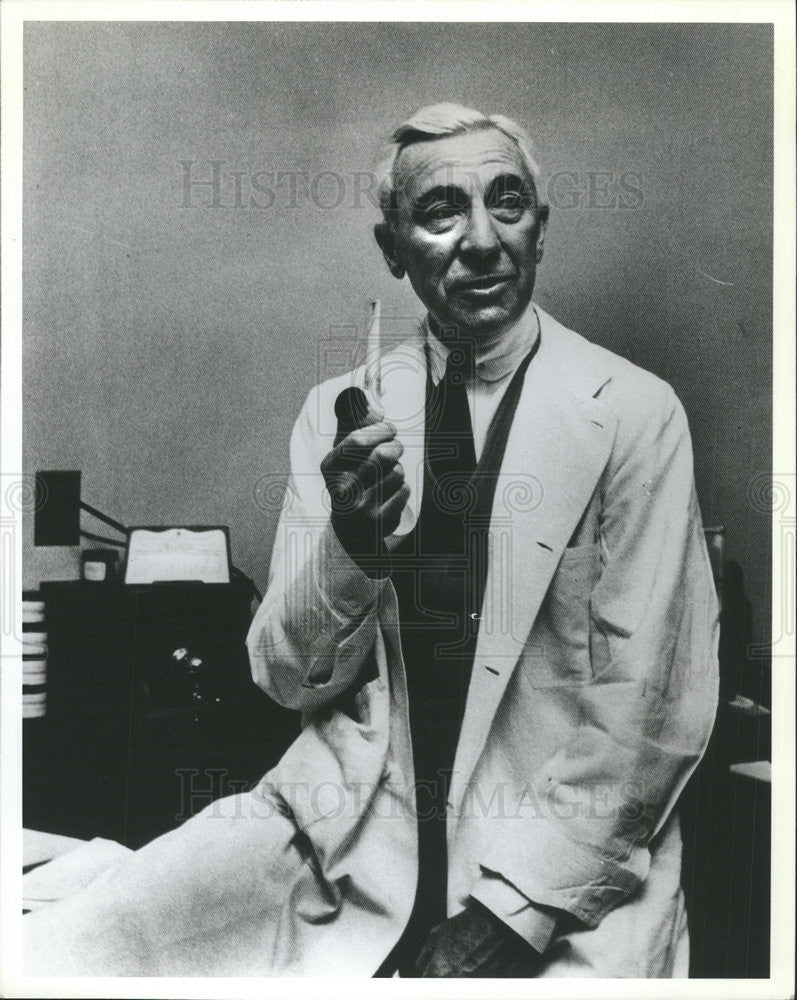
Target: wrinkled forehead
(469,162)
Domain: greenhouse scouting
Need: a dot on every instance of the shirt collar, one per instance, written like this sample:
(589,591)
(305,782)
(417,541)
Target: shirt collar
(495,358)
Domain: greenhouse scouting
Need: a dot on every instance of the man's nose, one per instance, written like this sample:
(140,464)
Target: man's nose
(480,236)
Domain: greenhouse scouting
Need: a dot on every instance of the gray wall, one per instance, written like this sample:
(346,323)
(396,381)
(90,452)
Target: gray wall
(168,343)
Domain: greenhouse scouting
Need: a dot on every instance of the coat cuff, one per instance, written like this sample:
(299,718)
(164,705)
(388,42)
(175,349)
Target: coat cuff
(345,589)
(535,924)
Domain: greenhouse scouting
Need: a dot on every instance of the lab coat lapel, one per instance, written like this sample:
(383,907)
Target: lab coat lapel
(556,450)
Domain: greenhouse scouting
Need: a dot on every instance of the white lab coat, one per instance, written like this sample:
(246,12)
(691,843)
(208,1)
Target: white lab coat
(592,698)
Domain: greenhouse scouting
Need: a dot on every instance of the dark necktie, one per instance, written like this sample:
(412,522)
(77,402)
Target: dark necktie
(450,450)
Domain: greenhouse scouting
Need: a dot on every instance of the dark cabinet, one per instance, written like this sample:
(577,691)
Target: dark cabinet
(134,741)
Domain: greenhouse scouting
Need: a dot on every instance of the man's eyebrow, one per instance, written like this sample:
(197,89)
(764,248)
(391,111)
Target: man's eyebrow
(512,181)
(441,192)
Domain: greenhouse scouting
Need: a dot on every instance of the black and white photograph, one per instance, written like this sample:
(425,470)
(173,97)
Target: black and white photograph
(399,505)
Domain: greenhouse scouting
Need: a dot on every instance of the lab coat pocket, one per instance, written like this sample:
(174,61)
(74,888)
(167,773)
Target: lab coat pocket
(611,627)
(558,651)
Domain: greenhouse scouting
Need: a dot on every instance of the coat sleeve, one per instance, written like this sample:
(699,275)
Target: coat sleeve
(316,626)
(641,724)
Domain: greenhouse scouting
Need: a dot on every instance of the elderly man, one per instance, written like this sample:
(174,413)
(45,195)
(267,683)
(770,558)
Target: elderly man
(493,603)
(558,651)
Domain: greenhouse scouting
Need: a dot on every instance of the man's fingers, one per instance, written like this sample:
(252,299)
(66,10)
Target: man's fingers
(378,463)
(390,511)
(368,472)
(372,482)
(364,455)
(384,488)
(382,495)
(360,443)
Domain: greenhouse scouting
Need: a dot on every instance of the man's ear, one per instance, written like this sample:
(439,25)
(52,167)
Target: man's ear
(385,237)
(542,224)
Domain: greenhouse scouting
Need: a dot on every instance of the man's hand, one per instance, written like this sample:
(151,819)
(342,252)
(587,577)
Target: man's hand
(365,481)
(475,943)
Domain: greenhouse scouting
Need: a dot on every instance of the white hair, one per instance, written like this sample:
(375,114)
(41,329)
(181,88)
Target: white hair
(436,121)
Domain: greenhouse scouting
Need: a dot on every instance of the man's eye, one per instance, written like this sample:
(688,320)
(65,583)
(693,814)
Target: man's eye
(441,212)
(510,200)
(510,203)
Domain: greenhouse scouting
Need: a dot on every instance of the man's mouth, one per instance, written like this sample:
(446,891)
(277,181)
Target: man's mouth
(484,286)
